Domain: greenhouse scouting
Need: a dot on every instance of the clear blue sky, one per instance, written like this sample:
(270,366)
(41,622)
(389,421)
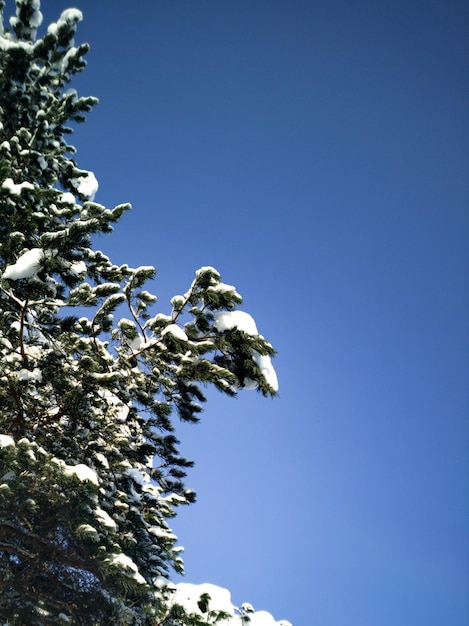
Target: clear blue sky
(316,153)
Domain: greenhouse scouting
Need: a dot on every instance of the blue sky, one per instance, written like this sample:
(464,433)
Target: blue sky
(317,154)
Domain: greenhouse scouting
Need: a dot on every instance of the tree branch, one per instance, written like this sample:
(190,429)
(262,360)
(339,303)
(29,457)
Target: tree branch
(40,543)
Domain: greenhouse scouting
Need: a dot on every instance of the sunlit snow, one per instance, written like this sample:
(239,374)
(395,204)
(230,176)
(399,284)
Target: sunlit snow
(14,188)
(126,563)
(223,288)
(69,16)
(268,372)
(87,528)
(176,331)
(7,44)
(205,269)
(81,471)
(137,476)
(34,375)
(188,596)
(235,319)
(36,19)
(241,320)
(6,440)
(86,185)
(67,198)
(105,518)
(26,266)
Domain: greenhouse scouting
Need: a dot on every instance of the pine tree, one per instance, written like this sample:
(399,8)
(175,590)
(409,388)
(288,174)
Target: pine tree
(92,379)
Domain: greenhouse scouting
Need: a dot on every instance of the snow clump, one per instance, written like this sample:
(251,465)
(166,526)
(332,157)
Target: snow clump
(81,471)
(86,185)
(175,331)
(105,518)
(235,319)
(26,266)
(124,561)
(67,198)
(268,372)
(16,189)
(6,440)
(227,320)
(69,16)
(188,596)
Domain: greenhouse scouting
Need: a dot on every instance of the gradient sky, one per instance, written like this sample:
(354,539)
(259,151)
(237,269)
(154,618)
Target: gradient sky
(316,153)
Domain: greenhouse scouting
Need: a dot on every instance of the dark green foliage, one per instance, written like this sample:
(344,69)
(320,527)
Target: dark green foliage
(90,378)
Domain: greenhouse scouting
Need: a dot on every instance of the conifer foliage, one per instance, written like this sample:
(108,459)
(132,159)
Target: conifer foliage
(91,379)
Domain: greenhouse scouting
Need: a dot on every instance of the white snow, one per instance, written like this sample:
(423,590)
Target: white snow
(235,319)
(102,459)
(188,596)
(7,44)
(205,269)
(71,52)
(115,406)
(243,321)
(26,266)
(14,188)
(223,288)
(262,618)
(71,93)
(165,533)
(77,268)
(137,476)
(159,317)
(71,16)
(176,331)
(6,342)
(136,343)
(268,372)
(36,19)
(86,185)
(52,29)
(126,562)
(67,198)
(6,440)
(35,375)
(249,384)
(87,528)
(81,471)
(105,518)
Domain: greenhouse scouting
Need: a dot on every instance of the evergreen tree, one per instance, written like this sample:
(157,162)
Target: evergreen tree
(91,379)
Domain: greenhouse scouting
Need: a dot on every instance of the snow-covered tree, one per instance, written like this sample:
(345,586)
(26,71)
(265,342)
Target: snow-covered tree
(91,379)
